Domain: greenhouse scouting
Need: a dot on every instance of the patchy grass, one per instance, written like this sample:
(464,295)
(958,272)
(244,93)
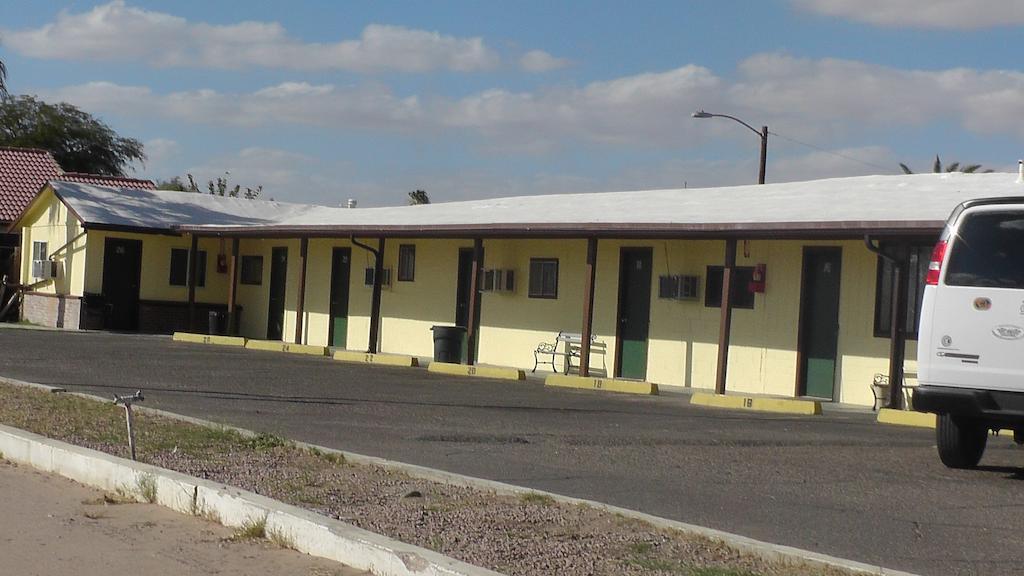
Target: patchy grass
(255,529)
(538,499)
(146,486)
(529,534)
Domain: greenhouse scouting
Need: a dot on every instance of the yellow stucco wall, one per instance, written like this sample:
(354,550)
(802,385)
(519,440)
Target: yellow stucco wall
(48,220)
(683,334)
(156,266)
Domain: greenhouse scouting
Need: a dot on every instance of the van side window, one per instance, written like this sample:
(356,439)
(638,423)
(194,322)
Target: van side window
(988,251)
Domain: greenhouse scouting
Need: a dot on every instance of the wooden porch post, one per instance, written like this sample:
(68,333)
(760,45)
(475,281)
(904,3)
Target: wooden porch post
(726,322)
(378,275)
(233,287)
(301,297)
(474,301)
(588,307)
(193,256)
(897,326)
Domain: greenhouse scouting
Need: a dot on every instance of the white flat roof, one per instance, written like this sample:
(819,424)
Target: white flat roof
(903,203)
(165,210)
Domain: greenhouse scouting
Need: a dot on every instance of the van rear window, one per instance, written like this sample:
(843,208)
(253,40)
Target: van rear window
(988,251)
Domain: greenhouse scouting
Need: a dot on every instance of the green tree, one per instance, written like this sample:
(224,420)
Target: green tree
(78,141)
(3,80)
(220,187)
(937,167)
(174,184)
(418,197)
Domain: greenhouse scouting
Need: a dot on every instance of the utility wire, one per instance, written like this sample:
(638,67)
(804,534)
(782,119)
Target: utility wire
(833,153)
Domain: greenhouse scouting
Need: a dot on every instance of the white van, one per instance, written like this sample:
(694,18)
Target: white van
(971,337)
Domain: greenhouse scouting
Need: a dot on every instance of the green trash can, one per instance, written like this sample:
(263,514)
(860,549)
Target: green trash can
(448,343)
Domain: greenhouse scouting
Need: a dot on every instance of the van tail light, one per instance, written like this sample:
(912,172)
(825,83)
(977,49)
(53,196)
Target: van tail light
(935,265)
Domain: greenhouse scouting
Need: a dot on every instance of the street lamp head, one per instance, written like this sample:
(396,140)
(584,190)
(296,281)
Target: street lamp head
(701,114)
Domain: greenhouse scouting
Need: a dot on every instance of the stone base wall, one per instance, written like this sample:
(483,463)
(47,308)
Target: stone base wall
(52,310)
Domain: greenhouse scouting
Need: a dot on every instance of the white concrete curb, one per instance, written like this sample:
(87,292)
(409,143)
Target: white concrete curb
(765,550)
(308,532)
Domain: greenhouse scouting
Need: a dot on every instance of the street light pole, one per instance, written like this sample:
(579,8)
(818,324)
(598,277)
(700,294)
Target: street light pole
(725,324)
(762,134)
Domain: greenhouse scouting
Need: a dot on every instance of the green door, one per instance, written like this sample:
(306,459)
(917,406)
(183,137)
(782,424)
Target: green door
(278,279)
(634,312)
(341,268)
(819,321)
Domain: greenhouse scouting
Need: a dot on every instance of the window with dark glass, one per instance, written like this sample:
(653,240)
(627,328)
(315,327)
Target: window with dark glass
(179,267)
(251,270)
(406,262)
(918,259)
(988,251)
(543,278)
(740,292)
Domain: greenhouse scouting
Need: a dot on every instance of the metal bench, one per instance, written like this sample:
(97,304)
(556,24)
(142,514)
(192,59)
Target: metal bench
(571,344)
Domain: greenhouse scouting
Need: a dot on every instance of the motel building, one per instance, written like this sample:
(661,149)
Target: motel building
(811,275)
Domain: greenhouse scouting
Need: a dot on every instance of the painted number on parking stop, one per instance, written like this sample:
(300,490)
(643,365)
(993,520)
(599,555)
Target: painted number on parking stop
(471,370)
(598,383)
(207,340)
(748,402)
(368,358)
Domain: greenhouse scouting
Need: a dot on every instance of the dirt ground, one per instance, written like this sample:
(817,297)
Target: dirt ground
(55,526)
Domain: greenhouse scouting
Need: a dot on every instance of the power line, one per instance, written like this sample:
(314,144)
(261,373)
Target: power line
(833,153)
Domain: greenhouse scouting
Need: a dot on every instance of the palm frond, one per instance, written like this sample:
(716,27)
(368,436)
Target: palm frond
(952,167)
(906,169)
(937,166)
(971,168)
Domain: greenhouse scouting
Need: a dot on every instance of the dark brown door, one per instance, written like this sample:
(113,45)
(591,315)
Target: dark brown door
(634,312)
(341,269)
(122,274)
(819,321)
(278,281)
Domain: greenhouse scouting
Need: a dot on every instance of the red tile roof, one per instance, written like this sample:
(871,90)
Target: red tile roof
(23,171)
(100,180)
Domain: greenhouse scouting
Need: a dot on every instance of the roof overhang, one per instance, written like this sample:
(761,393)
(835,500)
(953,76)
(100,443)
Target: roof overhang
(773,230)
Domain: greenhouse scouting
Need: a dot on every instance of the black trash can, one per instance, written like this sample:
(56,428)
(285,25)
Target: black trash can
(448,343)
(217,321)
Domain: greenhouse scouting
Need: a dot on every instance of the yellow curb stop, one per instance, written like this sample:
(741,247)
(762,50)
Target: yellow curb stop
(757,404)
(906,418)
(498,372)
(607,384)
(276,346)
(368,358)
(208,339)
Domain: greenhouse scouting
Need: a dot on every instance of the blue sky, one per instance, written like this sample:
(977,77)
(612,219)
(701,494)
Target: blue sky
(320,101)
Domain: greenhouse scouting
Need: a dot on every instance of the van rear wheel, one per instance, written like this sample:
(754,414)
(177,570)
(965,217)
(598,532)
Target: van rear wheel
(961,441)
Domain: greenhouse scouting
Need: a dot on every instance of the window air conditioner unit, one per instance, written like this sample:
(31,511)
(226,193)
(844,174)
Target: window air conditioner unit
(678,287)
(495,280)
(44,269)
(385,279)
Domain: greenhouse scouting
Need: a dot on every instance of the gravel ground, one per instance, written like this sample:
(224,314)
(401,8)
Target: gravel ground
(527,535)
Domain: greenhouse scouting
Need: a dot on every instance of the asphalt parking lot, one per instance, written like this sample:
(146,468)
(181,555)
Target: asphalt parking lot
(838,484)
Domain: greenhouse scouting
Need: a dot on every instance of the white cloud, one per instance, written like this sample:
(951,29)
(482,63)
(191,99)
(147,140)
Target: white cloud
(821,101)
(284,175)
(119,32)
(948,14)
(541,61)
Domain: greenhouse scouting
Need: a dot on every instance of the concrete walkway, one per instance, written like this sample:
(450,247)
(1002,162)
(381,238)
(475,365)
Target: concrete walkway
(55,526)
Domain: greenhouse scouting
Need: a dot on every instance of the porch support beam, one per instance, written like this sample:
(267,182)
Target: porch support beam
(378,273)
(474,301)
(193,257)
(300,303)
(897,326)
(378,277)
(588,307)
(725,326)
(233,288)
